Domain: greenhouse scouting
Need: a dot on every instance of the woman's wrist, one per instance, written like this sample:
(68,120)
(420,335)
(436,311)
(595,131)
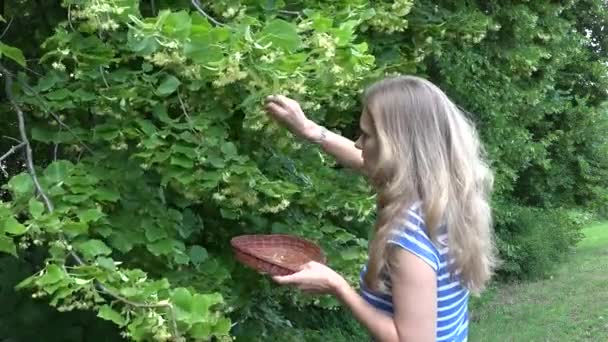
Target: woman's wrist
(339,286)
(317,134)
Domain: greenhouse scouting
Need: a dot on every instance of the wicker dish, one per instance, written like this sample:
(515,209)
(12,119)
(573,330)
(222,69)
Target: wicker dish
(275,254)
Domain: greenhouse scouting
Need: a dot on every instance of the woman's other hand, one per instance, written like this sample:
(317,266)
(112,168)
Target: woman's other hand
(314,278)
(289,114)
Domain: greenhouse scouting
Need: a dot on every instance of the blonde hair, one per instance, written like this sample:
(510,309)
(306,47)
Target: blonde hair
(429,151)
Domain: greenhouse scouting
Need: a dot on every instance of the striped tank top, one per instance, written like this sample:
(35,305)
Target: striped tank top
(452,297)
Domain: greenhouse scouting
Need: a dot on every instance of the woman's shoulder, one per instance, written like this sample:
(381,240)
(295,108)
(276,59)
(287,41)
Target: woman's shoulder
(410,233)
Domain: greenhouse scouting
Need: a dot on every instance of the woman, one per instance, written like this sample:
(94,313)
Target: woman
(432,243)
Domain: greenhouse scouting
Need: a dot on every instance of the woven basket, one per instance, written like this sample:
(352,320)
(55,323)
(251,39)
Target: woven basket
(275,254)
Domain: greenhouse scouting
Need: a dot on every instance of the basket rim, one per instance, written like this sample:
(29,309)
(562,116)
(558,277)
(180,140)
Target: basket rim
(243,249)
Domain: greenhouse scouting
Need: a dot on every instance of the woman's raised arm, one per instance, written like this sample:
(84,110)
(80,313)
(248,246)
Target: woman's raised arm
(289,113)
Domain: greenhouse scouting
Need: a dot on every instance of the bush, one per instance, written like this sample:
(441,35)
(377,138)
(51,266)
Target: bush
(535,240)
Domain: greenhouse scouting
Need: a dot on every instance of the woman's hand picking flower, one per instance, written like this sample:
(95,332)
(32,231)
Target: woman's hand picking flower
(314,278)
(289,113)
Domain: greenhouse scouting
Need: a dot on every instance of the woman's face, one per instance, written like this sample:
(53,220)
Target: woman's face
(367,142)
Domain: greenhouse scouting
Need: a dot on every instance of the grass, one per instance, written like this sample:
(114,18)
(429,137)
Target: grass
(572,305)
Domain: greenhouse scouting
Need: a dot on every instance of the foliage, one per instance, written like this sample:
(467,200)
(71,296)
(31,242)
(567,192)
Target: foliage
(150,141)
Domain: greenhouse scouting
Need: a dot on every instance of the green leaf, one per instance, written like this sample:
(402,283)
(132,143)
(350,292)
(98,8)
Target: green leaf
(229,149)
(168,85)
(12,226)
(281,34)
(177,25)
(198,254)
(185,150)
(53,274)
(12,53)
(147,126)
(154,233)
(201,303)
(75,228)
(201,48)
(106,312)
(182,299)
(129,291)
(42,134)
(48,81)
(200,330)
(21,184)
(58,171)
(93,248)
(106,194)
(222,327)
(59,94)
(161,247)
(27,282)
(89,215)
(143,46)
(7,245)
(182,161)
(36,208)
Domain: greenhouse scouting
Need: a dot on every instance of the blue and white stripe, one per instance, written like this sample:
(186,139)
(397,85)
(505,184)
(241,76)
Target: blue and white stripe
(452,297)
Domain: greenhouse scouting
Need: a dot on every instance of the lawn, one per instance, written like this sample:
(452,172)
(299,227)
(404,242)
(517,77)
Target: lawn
(570,306)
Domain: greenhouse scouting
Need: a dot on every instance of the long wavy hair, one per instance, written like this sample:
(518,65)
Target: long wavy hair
(430,152)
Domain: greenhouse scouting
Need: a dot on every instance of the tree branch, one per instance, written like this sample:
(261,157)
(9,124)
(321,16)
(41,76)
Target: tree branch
(197,5)
(8,86)
(13,139)
(8,26)
(12,150)
(8,82)
(103,77)
(7,154)
(70,17)
(289,12)
(153,7)
(46,109)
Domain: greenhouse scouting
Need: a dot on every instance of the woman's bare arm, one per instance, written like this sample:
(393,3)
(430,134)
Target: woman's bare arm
(288,113)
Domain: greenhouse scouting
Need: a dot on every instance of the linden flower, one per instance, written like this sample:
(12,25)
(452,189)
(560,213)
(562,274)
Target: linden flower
(230,12)
(275,209)
(58,66)
(299,88)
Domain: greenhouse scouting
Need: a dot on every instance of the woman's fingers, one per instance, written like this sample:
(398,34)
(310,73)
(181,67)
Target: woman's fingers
(285,280)
(274,108)
(282,101)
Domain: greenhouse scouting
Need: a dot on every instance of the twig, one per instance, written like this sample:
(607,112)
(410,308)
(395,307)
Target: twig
(8,79)
(70,17)
(55,116)
(198,6)
(289,12)
(12,150)
(153,7)
(6,155)
(8,83)
(56,147)
(169,306)
(103,77)
(7,27)
(183,106)
(33,71)
(181,102)
(13,139)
